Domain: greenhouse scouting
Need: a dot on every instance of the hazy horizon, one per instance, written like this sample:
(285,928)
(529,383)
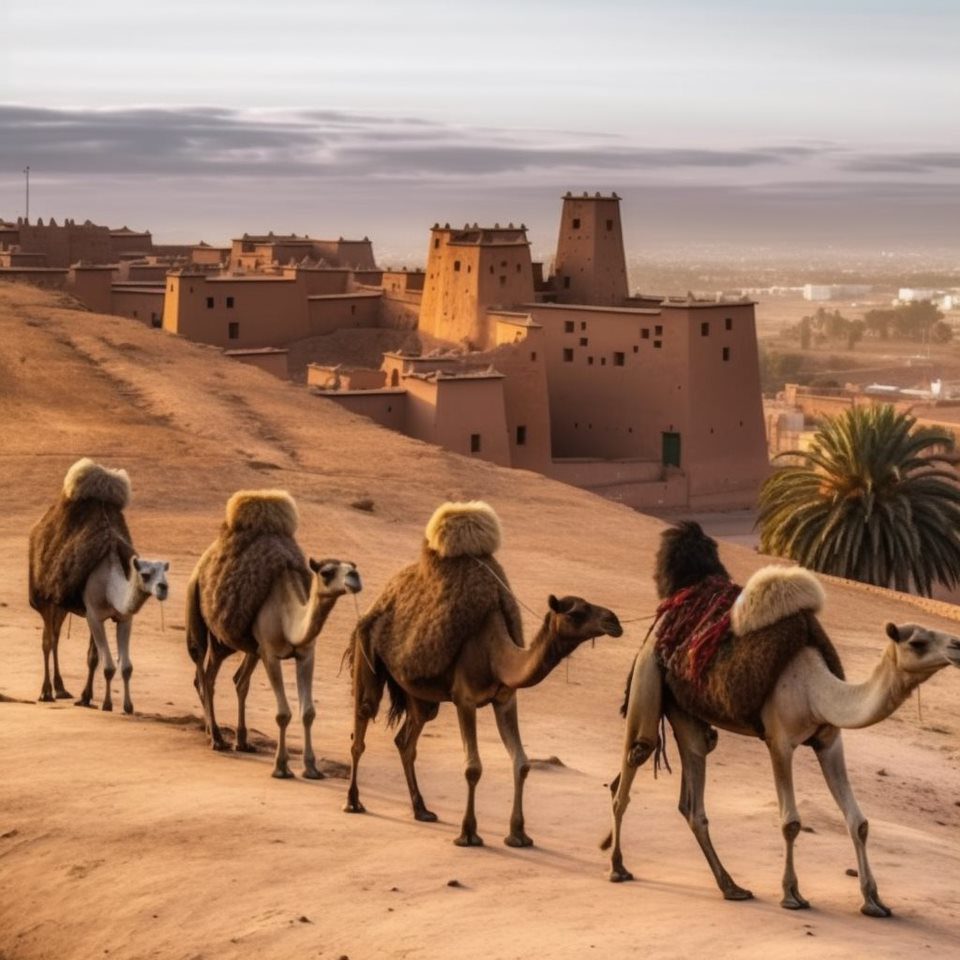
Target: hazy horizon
(822,125)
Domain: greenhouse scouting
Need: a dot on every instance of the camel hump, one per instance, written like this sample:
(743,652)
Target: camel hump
(87,480)
(263,511)
(772,594)
(469,529)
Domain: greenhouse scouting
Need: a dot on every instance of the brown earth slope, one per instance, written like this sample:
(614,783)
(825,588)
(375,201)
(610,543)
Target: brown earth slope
(127,837)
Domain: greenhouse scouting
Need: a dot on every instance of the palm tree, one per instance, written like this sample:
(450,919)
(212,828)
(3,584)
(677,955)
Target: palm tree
(874,499)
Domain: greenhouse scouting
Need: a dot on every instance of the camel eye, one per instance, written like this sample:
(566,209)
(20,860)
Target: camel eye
(918,645)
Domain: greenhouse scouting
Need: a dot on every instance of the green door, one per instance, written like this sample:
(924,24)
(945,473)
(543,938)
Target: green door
(671,449)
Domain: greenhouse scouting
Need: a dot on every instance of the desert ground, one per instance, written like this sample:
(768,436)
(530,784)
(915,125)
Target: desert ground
(127,837)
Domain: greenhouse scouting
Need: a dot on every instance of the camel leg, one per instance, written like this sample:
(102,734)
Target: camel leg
(367,692)
(419,712)
(207,677)
(46,690)
(59,690)
(472,770)
(509,728)
(639,741)
(124,629)
(694,742)
(281,766)
(99,633)
(781,756)
(830,755)
(93,659)
(241,680)
(308,712)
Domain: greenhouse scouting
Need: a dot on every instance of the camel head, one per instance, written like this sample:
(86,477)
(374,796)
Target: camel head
(152,577)
(918,650)
(575,620)
(336,577)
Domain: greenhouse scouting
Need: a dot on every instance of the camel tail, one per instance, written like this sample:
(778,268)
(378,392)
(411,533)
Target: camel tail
(198,634)
(398,702)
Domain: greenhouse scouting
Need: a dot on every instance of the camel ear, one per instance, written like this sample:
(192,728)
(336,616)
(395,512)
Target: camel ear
(553,603)
(314,565)
(893,632)
(166,564)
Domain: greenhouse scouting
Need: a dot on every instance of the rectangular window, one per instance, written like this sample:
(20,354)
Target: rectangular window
(645,333)
(521,436)
(728,323)
(436,244)
(583,324)
(576,223)
(670,450)
(609,224)
(568,326)
(567,355)
(353,309)
(566,283)
(583,341)
(519,267)
(636,349)
(229,303)
(135,315)
(705,329)
(233,330)
(603,361)
(503,281)
(726,353)
(619,359)
(657,344)
(209,303)
(589,361)
(474,442)
(155,321)
(456,266)
(533,355)
(658,331)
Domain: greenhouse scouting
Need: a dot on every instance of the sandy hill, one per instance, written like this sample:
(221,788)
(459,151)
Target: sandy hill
(127,837)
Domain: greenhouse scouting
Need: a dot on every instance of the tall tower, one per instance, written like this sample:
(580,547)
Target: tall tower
(590,266)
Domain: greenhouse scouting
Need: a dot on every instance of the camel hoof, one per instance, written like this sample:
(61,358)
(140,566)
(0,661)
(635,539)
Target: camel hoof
(619,875)
(128,708)
(82,702)
(469,840)
(64,695)
(795,902)
(875,908)
(218,745)
(244,748)
(737,893)
(46,697)
(312,773)
(425,816)
(518,840)
(354,806)
(282,773)
(107,707)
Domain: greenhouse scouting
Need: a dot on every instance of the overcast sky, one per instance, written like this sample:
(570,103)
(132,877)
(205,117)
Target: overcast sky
(753,121)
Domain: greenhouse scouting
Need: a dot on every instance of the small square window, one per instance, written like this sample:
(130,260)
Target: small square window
(229,303)
(726,353)
(705,329)
(519,267)
(583,341)
(209,303)
(135,315)
(566,283)
(576,223)
(456,266)
(583,324)
(658,331)
(589,361)
(568,326)
(353,309)
(567,355)
(603,361)
(657,344)
(609,224)
(533,355)
(645,333)
(474,442)
(521,436)
(233,330)
(728,323)
(491,268)
(436,243)
(619,359)
(503,281)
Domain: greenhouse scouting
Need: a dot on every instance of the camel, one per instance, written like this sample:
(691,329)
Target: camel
(252,592)
(448,629)
(779,659)
(82,562)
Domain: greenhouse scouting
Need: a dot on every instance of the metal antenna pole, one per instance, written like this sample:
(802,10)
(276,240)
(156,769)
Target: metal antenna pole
(27,174)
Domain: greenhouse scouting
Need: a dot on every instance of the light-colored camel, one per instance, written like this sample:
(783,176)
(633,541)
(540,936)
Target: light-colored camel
(808,705)
(286,625)
(489,667)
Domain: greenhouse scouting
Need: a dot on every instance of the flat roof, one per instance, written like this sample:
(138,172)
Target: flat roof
(360,295)
(377,391)
(143,286)
(34,269)
(254,351)
(638,311)
(683,303)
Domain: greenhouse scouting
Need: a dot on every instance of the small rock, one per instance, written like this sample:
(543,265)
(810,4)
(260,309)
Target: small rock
(882,772)
(363,503)
(850,872)
(8,834)
(343,956)
(394,889)
(808,830)
(810,933)
(454,883)
(304,919)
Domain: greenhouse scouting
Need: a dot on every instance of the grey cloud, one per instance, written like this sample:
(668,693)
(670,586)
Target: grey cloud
(914,163)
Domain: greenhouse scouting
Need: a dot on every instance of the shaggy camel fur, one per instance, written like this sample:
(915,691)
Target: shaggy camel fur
(448,628)
(251,591)
(82,562)
(808,703)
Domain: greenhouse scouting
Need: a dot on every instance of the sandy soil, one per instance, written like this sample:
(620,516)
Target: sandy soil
(127,837)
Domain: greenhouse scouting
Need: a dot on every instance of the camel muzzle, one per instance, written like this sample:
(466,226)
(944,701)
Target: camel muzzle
(353,582)
(611,626)
(953,653)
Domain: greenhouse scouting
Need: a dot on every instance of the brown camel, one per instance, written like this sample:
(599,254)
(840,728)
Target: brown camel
(253,592)
(778,677)
(82,562)
(447,628)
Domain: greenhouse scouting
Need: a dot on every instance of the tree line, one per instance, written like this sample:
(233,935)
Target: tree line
(920,322)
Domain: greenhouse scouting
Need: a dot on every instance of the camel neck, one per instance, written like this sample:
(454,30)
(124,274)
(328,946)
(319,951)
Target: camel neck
(315,613)
(527,666)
